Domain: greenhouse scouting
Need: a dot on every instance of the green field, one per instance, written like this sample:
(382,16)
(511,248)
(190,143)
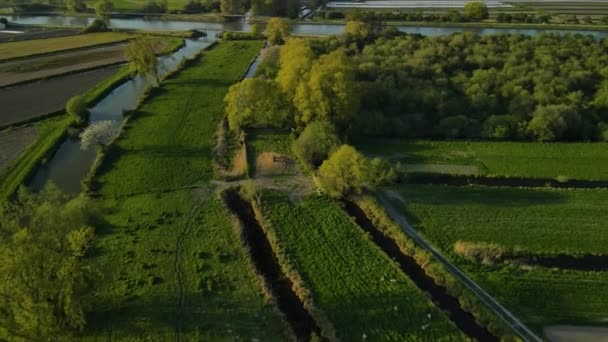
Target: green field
(542,222)
(173,131)
(40,46)
(351,280)
(155,232)
(588,161)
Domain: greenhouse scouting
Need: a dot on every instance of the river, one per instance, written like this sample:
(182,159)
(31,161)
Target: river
(299,28)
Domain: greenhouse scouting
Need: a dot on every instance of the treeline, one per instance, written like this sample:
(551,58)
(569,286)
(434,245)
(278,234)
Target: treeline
(511,87)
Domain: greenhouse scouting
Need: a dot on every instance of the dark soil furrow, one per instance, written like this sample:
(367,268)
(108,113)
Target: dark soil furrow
(266,264)
(514,182)
(596,263)
(462,319)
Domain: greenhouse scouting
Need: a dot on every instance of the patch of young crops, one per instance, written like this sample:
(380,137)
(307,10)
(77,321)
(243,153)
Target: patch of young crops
(539,221)
(144,291)
(588,161)
(359,288)
(167,144)
(534,220)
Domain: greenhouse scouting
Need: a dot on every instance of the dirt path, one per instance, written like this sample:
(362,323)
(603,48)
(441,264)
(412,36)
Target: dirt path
(518,327)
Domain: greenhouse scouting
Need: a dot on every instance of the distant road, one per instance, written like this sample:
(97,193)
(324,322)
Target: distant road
(518,327)
(412,4)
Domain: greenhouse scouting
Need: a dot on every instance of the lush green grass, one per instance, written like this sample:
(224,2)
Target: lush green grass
(510,159)
(166,148)
(50,133)
(167,144)
(137,295)
(48,45)
(359,288)
(138,5)
(269,141)
(537,222)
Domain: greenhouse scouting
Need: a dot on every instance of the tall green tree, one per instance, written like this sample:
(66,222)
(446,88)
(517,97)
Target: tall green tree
(103,9)
(277,30)
(330,93)
(476,10)
(256,102)
(343,173)
(295,62)
(45,277)
(316,142)
(142,60)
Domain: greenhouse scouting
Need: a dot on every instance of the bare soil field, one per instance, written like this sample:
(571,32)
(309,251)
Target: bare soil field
(13,143)
(57,64)
(565,333)
(31,32)
(34,100)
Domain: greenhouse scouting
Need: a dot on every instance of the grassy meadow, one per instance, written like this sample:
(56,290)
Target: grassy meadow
(351,279)
(170,258)
(588,161)
(167,144)
(541,221)
(40,46)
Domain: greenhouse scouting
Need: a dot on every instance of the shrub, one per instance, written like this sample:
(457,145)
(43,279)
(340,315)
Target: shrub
(476,10)
(315,142)
(77,108)
(380,172)
(500,127)
(454,127)
(97,25)
(553,122)
(269,62)
(486,253)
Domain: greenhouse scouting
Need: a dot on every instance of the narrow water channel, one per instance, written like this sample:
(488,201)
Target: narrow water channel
(70,164)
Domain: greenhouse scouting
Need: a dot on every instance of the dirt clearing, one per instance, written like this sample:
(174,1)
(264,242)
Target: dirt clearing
(38,99)
(13,143)
(272,164)
(567,333)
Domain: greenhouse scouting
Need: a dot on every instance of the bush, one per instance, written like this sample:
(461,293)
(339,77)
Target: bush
(97,25)
(500,127)
(476,10)
(343,173)
(334,15)
(77,108)
(454,127)
(239,36)
(380,172)
(315,142)
(269,62)
(554,122)
(486,253)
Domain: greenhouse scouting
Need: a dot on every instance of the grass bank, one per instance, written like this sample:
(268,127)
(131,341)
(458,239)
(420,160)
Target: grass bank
(584,161)
(171,264)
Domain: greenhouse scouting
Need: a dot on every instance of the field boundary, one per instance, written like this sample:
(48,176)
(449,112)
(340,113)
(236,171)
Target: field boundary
(500,181)
(505,315)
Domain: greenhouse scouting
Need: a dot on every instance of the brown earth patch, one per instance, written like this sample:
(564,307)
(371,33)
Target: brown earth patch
(563,333)
(272,164)
(13,143)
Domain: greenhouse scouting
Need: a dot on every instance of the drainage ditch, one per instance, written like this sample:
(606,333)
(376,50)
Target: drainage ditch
(449,304)
(455,180)
(266,264)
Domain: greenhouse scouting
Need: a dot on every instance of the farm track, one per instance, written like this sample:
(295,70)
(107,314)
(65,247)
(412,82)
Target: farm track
(462,319)
(266,264)
(179,274)
(513,322)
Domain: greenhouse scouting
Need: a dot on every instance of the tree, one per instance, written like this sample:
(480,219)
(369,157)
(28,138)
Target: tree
(103,9)
(256,102)
(553,122)
(476,10)
(277,30)
(380,172)
(295,62)
(269,62)
(142,60)
(316,142)
(97,134)
(231,6)
(330,93)
(359,30)
(45,277)
(77,108)
(343,173)
(500,127)
(75,5)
